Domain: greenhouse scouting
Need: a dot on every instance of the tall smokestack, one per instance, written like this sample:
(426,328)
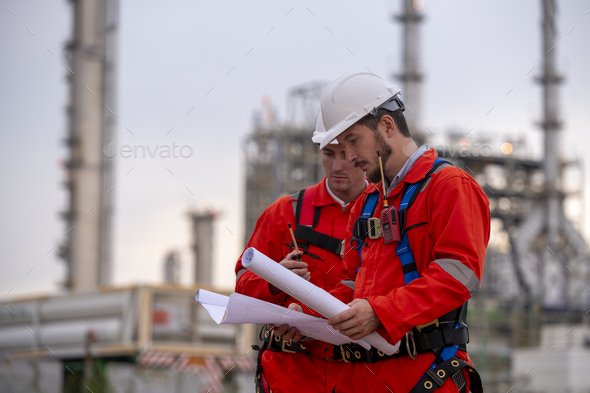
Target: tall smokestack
(203,246)
(91,55)
(172,268)
(554,275)
(411,73)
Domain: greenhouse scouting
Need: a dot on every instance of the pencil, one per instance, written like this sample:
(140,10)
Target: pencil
(294,241)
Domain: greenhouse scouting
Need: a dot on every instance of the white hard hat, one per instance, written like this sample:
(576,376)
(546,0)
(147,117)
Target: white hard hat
(320,131)
(350,98)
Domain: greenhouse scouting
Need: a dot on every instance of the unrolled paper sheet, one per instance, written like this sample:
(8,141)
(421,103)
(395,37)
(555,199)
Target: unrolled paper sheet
(243,309)
(304,291)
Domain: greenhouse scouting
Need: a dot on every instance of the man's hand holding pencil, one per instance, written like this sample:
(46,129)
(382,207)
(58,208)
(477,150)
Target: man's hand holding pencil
(298,267)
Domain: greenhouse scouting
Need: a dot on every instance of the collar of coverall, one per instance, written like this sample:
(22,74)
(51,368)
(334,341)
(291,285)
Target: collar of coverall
(406,168)
(335,198)
(322,195)
(416,171)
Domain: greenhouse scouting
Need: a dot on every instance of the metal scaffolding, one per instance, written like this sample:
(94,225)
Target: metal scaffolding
(549,255)
(282,159)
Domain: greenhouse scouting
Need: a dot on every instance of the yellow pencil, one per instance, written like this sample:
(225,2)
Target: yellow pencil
(294,241)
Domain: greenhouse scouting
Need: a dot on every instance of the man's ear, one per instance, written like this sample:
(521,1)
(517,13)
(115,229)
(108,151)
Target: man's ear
(387,125)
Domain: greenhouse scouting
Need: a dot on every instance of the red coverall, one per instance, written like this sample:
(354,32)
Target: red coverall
(297,372)
(448,247)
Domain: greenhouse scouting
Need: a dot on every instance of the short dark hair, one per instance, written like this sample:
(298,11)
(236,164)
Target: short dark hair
(371,121)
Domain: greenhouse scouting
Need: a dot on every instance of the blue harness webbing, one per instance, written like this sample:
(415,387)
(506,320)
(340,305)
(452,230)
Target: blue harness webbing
(368,209)
(404,251)
(409,267)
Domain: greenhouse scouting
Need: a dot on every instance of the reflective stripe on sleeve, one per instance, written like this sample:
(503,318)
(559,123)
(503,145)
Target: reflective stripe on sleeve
(461,273)
(444,165)
(348,283)
(242,271)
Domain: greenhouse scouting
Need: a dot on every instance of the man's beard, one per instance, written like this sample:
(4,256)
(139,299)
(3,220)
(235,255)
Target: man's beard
(374,176)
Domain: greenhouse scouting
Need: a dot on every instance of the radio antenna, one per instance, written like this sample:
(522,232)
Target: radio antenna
(385,204)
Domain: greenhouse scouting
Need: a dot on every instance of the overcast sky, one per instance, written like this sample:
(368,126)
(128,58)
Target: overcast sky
(475,57)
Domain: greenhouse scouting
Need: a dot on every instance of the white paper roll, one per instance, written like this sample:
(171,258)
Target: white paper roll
(304,291)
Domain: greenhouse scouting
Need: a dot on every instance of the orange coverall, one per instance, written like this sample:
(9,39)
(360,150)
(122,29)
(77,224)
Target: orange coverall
(451,229)
(297,372)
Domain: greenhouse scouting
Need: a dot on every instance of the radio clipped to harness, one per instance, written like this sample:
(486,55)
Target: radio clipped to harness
(389,221)
(390,225)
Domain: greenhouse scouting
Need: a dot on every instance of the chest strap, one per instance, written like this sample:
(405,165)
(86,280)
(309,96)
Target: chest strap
(306,218)
(318,239)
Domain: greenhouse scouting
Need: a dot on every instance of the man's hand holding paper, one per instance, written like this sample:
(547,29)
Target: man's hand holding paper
(356,323)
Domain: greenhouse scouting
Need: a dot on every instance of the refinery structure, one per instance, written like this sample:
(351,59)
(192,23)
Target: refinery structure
(529,326)
(530,297)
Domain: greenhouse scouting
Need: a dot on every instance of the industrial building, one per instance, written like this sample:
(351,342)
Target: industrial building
(281,159)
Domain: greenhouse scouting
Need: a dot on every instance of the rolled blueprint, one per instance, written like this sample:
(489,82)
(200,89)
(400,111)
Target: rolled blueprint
(304,291)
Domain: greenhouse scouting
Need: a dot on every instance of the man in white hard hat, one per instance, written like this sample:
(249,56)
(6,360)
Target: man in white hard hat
(319,215)
(419,250)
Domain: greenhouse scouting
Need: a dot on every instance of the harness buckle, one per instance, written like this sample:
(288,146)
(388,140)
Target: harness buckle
(420,327)
(401,216)
(411,353)
(303,246)
(342,249)
(374,228)
(345,354)
(288,342)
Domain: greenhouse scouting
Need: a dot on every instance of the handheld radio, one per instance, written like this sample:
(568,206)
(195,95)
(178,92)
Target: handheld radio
(389,220)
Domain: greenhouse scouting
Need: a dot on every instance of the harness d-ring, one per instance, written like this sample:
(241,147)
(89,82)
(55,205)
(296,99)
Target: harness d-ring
(411,353)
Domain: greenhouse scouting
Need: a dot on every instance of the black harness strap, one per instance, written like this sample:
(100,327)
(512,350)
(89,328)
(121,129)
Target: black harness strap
(259,381)
(360,228)
(450,368)
(316,215)
(318,239)
(299,205)
(307,233)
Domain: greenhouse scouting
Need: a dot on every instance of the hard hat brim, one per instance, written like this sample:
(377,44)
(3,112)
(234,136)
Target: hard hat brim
(319,137)
(337,130)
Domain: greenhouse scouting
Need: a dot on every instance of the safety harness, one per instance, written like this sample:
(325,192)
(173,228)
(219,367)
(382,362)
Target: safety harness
(306,218)
(444,336)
